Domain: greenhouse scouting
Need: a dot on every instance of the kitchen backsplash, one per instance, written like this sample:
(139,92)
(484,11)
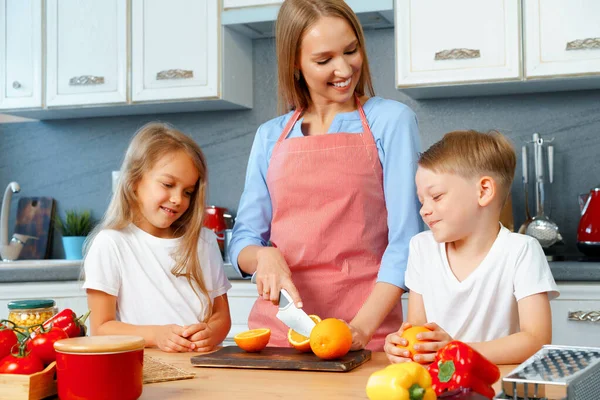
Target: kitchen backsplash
(72,160)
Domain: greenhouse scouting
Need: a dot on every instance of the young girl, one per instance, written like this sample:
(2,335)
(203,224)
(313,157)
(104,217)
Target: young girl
(151,270)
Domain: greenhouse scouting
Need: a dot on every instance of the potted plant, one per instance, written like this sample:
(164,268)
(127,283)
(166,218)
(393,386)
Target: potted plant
(74,229)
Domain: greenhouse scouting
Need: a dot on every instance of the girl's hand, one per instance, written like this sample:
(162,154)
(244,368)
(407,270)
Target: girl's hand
(359,338)
(201,336)
(272,275)
(394,353)
(170,338)
(438,338)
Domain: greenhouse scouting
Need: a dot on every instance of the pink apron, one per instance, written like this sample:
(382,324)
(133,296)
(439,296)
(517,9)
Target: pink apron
(330,224)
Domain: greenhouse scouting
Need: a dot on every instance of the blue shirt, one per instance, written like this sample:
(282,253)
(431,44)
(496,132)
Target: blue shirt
(394,127)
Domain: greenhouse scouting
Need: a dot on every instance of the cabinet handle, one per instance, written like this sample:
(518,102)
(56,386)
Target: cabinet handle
(174,74)
(457,54)
(584,44)
(16,85)
(85,80)
(585,316)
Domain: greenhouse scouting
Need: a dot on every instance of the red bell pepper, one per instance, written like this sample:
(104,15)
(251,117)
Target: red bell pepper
(459,366)
(68,321)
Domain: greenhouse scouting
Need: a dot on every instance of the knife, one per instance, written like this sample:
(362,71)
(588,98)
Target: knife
(291,315)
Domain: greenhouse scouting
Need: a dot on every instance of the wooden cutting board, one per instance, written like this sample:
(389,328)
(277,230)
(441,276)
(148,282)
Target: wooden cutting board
(279,358)
(34,218)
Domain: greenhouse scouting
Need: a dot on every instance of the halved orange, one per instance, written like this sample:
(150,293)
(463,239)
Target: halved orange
(253,340)
(298,341)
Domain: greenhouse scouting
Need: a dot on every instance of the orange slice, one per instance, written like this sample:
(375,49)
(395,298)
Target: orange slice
(299,342)
(253,340)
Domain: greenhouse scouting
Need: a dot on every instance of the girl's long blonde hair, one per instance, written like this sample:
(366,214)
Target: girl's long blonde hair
(293,19)
(150,143)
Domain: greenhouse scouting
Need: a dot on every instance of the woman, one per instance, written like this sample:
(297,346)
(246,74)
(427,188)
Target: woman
(330,183)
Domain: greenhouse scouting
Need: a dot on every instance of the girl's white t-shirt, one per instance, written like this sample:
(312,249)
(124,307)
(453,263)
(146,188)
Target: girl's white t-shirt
(136,267)
(483,306)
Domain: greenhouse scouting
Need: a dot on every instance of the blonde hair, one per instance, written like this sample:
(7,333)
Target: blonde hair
(472,154)
(151,143)
(293,20)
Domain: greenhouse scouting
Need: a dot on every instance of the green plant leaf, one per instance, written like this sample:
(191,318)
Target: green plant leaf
(75,223)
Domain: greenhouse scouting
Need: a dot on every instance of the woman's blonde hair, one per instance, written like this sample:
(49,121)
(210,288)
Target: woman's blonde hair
(472,154)
(151,143)
(293,20)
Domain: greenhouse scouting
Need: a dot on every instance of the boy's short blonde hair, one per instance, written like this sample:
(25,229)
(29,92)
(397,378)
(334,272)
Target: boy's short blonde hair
(472,154)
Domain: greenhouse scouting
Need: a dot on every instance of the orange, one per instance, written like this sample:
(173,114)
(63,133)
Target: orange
(298,341)
(330,338)
(253,340)
(411,337)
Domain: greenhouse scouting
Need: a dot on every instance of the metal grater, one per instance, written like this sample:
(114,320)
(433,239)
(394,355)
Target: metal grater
(556,373)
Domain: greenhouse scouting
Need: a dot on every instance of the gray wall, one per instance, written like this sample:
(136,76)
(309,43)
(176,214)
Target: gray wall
(71,160)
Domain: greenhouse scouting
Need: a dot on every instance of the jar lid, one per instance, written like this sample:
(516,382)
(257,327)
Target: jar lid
(100,344)
(29,304)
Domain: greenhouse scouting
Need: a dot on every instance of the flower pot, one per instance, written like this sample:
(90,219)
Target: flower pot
(73,247)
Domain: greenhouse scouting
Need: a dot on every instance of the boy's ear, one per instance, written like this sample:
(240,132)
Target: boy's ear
(487,190)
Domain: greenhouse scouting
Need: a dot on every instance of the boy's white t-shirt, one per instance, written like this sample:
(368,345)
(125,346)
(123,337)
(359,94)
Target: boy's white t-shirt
(483,306)
(136,267)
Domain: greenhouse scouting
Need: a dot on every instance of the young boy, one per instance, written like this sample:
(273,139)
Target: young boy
(470,278)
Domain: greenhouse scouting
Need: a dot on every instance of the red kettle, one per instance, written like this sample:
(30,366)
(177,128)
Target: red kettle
(215,219)
(588,232)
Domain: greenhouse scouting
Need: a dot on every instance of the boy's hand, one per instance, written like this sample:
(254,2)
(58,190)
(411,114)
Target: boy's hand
(169,338)
(201,336)
(437,339)
(394,353)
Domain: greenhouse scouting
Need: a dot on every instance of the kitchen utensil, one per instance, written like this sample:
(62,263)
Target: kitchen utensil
(525,178)
(541,227)
(214,219)
(291,315)
(556,372)
(588,231)
(279,358)
(35,216)
(100,367)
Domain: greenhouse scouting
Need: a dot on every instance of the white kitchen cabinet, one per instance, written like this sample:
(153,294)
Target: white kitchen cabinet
(442,42)
(86,50)
(66,294)
(576,315)
(241,296)
(180,51)
(248,3)
(20,53)
(562,37)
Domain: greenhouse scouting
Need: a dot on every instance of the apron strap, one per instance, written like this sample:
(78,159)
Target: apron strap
(363,119)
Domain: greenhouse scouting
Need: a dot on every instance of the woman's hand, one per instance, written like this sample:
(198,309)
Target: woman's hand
(170,338)
(201,335)
(272,275)
(436,339)
(359,338)
(394,353)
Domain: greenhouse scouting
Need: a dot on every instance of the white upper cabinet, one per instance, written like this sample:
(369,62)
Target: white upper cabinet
(86,52)
(20,53)
(562,37)
(175,49)
(249,3)
(461,41)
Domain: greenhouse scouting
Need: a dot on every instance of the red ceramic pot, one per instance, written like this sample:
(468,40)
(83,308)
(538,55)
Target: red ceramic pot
(100,367)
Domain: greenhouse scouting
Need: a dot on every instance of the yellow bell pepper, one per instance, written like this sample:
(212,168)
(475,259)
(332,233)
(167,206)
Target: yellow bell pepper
(404,381)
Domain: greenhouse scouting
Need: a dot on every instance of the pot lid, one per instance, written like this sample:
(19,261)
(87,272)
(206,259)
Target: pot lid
(100,344)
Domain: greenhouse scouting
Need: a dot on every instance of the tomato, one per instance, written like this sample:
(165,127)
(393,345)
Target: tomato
(8,338)
(20,364)
(42,344)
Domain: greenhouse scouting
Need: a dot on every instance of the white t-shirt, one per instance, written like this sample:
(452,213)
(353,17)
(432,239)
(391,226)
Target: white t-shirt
(483,306)
(136,267)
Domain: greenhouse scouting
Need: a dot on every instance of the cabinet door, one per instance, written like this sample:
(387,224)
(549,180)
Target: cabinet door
(20,53)
(444,42)
(576,322)
(241,298)
(249,3)
(175,49)
(562,37)
(86,52)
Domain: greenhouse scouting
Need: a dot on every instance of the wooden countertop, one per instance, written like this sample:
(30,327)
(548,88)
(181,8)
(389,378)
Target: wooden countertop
(240,384)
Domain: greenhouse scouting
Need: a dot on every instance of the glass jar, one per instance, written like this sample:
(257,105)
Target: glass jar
(27,313)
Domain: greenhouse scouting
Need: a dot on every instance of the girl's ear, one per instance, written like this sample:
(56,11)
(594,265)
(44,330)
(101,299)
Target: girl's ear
(487,190)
